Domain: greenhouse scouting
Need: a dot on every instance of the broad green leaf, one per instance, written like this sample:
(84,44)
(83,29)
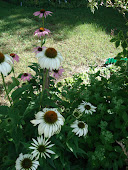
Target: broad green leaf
(14,83)
(124,44)
(113,39)
(18,92)
(4,110)
(117,43)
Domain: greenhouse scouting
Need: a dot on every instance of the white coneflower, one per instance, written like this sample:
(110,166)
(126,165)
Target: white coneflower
(6,63)
(49,58)
(86,107)
(49,120)
(26,162)
(41,148)
(79,128)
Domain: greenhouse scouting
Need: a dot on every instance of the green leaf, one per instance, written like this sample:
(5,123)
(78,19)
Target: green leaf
(117,43)
(50,161)
(4,110)
(113,39)
(125,53)
(124,44)
(125,116)
(120,35)
(31,106)
(18,92)
(72,148)
(14,83)
(34,67)
(44,40)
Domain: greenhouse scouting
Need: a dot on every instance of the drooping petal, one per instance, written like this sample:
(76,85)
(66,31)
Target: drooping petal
(36,13)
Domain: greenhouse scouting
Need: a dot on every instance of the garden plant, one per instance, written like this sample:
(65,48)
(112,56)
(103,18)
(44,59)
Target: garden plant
(78,123)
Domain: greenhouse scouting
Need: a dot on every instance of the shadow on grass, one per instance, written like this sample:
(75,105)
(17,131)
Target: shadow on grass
(20,20)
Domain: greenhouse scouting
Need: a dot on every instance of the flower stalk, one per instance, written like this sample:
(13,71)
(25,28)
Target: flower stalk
(44,84)
(6,89)
(43,21)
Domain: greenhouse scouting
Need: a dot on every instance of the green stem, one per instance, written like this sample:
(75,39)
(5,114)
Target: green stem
(15,76)
(43,27)
(6,88)
(126,65)
(43,21)
(13,72)
(41,42)
(43,87)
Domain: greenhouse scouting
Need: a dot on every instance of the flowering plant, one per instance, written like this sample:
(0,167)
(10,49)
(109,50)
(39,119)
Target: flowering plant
(52,126)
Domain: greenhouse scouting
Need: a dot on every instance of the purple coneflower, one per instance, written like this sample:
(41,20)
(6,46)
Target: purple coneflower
(42,32)
(26,76)
(15,57)
(38,49)
(42,13)
(58,73)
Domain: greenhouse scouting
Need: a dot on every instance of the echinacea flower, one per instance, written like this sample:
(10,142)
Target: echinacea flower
(41,148)
(42,32)
(87,107)
(6,64)
(49,58)
(38,49)
(26,76)
(26,162)
(15,57)
(49,122)
(42,13)
(58,73)
(80,128)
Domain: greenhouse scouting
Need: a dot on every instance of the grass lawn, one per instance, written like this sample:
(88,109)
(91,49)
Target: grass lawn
(83,38)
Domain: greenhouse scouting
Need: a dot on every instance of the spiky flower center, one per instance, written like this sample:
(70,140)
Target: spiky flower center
(42,11)
(2,57)
(87,107)
(56,71)
(25,74)
(41,148)
(12,55)
(39,49)
(51,53)
(41,29)
(50,117)
(81,125)
(26,163)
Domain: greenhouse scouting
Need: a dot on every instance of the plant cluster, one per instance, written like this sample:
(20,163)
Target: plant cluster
(120,5)
(79,123)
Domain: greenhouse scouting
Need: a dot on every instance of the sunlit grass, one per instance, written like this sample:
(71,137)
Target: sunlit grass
(81,37)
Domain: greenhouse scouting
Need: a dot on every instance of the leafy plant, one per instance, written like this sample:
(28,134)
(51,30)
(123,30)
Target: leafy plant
(84,117)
